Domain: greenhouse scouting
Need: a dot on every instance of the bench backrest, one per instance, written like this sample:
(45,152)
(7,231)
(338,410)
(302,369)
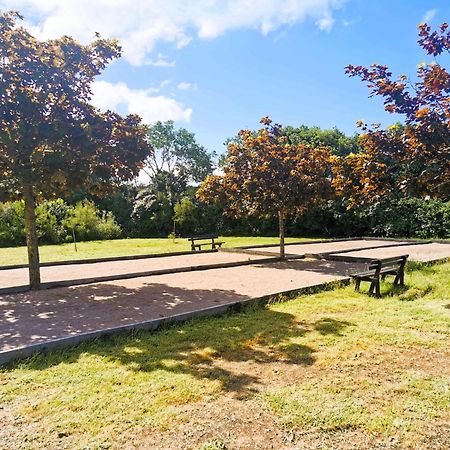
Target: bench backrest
(201,237)
(396,262)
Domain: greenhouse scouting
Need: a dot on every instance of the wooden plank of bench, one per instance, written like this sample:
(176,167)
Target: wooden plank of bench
(382,267)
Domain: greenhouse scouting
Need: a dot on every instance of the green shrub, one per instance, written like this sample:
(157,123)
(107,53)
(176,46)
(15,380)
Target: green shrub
(50,216)
(185,216)
(89,224)
(12,225)
(410,217)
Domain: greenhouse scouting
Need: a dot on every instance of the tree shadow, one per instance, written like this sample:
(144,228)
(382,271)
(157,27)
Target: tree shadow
(327,326)
(320,266)
(208,348)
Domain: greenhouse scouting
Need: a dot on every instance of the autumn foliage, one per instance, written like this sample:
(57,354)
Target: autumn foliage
(413,158)
(266,175)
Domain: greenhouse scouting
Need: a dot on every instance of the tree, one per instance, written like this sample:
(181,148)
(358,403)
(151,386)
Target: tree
(265,175)
(152,212)
(52,140)
(177,159)
(336,140)
(413,158)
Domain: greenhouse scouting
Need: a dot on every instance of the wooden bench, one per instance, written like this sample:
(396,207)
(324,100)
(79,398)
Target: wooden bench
(380,268)
(211,237)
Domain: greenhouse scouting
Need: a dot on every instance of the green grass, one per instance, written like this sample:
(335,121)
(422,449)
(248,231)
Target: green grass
(332,361)
(120,247)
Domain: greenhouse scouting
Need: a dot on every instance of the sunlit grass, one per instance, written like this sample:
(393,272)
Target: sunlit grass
(336,360)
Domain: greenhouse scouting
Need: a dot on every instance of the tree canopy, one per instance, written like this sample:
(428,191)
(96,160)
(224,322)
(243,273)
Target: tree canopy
(177,159)
(52,140)
(266,175)
(413,158)
(338,142)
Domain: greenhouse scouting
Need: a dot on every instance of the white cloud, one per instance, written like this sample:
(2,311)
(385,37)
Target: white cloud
(141,24)
(429,15)
(184,86)
(151,108)
(325,23)
(160,61)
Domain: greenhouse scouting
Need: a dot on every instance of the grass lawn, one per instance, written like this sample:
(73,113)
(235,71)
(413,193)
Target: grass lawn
(334,370)
(120,247)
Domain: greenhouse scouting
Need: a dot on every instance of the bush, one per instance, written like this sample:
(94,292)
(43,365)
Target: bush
(50,216)
(89,224)
(410,217)
(152,214)
(12,224)
(185,217)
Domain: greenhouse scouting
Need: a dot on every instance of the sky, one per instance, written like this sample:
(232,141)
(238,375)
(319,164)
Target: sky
(218,66)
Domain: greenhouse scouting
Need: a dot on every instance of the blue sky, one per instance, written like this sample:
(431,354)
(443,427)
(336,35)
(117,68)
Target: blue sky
(216,67)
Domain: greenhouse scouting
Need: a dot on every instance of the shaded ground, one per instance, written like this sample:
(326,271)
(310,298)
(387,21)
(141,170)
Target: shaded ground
(335,370)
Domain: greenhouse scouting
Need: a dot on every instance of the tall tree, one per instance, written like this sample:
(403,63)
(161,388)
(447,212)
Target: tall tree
(336,140)
(416,156)
(267,176)
(177,159)
(52,140)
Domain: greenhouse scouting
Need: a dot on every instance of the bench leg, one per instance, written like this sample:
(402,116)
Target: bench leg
(357,284)
(377,291)
(399,279)
(375,286)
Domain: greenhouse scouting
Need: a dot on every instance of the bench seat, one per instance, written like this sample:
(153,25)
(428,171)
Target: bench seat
(380,268)
(198,245)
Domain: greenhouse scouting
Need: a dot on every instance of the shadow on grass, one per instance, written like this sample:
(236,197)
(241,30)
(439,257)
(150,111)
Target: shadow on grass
(207,348)
(327,326)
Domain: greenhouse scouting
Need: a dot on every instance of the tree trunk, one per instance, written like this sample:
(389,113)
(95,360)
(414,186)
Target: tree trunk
(31,235)
(281,220)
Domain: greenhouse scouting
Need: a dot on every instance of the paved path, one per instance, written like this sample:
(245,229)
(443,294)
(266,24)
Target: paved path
(35,317)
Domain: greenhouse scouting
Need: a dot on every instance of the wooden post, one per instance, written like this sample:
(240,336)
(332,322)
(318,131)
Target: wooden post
(74,239)
(281,220)
(31,236)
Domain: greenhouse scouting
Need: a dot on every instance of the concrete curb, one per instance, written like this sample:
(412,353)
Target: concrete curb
(126,276)
(259,253)
(8,356)
(107,259)
(313,241)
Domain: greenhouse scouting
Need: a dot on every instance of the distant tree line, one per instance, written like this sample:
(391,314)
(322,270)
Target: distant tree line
(168,204)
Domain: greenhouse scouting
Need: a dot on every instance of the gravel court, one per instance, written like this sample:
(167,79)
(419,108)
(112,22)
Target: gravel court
(36,317)
(57,273)
(326,247)
(11,278)
(420,252)
(41,316)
